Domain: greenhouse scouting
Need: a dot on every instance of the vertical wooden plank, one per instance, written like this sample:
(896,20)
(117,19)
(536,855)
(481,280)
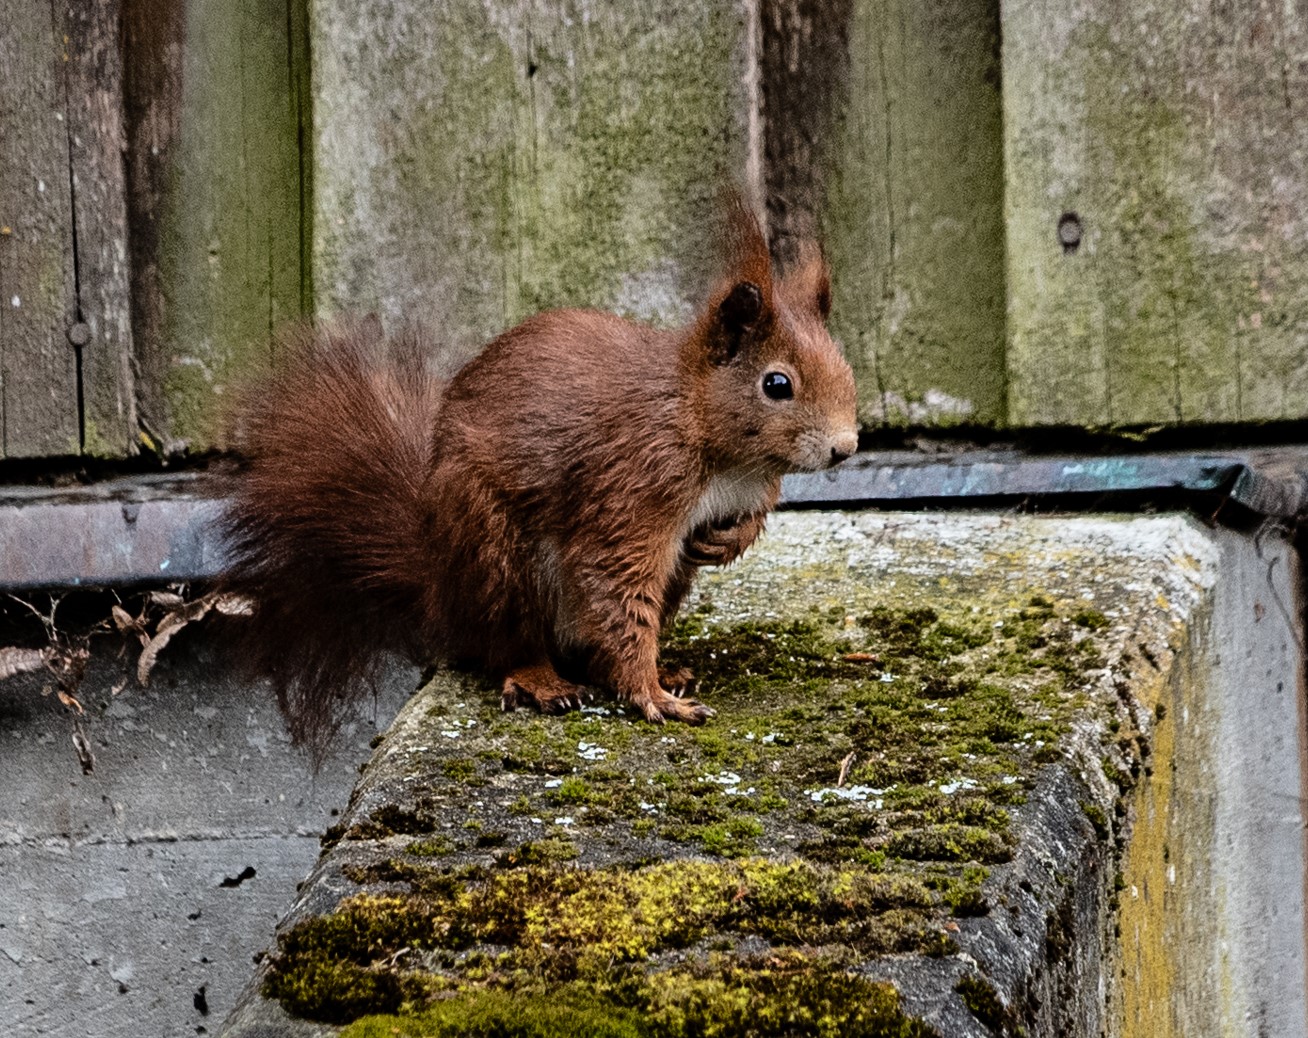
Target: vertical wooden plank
(38,375)
(99,209)
(478,160)
(1173,135)
(883,128)
(153,37)
(214,153)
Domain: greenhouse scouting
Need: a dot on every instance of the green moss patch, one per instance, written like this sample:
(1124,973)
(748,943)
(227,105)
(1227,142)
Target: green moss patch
(848,801)
(543,924)
(980,997)
(785,996)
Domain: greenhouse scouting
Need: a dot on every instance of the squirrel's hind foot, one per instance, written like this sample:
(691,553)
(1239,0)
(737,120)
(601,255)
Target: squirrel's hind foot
(540,686)
(659,706)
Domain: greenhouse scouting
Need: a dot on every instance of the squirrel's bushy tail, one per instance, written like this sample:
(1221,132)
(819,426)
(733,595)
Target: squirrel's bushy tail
(326,526)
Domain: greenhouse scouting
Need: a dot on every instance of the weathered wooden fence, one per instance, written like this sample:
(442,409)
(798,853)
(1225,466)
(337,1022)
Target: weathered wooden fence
(1102,222)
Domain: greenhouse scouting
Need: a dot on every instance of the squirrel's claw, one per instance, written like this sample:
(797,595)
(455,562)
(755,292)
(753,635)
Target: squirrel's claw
(678,682)
(698,713)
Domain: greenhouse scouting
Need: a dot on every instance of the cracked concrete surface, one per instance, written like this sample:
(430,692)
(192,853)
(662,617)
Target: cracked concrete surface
(134,899)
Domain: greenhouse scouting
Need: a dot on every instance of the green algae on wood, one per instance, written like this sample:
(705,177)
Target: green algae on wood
(542,155)
(1155,192)
(38,376)
(215,104)
(883,135)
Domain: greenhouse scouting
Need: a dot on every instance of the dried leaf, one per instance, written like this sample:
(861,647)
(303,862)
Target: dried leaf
(234,605)
(167,599)
(118,687)
(70,702)
(860,657)
(69,666)
(168,626)
(14,660)
(124,620)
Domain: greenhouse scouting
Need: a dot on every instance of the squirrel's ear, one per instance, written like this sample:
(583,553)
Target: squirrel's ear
(742,308)
(739,315)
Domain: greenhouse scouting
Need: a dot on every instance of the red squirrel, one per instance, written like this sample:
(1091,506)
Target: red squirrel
(541,515)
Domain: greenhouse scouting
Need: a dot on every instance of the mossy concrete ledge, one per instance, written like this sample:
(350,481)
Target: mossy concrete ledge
(970,775)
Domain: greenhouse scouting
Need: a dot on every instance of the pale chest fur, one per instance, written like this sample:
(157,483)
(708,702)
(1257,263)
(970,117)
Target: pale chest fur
(730,495)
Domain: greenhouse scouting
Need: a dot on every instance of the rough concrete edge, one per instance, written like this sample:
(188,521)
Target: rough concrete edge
(1254,707)
(257,1017)
(1010,947)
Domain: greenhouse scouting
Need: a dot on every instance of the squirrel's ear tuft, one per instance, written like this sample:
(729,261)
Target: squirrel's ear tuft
(823,293)
(807,284)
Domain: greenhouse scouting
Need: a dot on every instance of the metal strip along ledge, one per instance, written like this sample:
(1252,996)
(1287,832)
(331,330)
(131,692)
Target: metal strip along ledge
(159,529)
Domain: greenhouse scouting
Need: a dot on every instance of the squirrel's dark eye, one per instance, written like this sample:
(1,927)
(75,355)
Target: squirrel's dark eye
(776,386)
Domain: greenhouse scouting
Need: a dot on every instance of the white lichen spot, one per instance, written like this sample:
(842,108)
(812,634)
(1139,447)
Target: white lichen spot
(590,751)
(859,793)
(950,788)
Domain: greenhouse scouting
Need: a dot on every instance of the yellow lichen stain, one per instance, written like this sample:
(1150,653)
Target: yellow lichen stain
(1170,909)
(1147,963)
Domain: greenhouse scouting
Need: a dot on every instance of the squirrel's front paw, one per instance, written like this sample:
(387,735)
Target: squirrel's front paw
(718,544)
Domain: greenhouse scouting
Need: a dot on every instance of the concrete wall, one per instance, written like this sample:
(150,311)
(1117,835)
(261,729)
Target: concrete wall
(1212,911)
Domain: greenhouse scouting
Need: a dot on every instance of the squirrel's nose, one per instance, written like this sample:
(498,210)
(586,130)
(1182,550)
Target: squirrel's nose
(844,448)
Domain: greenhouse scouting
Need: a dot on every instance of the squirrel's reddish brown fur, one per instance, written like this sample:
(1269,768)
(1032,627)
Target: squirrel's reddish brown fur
(541,515)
